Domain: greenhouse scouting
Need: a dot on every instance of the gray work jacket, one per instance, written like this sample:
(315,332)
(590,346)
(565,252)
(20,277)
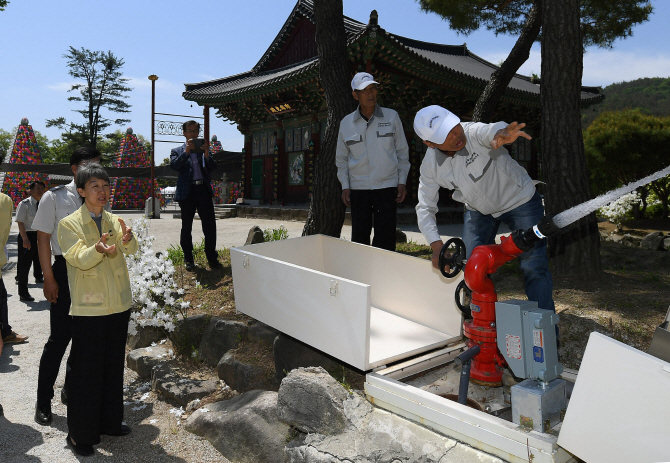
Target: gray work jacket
(485,180)
(372,154)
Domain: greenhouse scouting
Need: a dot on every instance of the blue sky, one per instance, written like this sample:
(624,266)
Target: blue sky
(198,40)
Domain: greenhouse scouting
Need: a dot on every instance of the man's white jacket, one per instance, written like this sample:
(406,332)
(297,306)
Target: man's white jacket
(485,180)
(372,154)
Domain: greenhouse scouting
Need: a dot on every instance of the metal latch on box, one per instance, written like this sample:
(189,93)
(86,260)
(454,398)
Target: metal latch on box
(333,288)
(245,261)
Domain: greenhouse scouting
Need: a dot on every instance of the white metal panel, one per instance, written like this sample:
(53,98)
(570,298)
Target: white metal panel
(394,338)
(298,302)
(483,431)
(305,251)
(618,411)
(403,285)
(422,316)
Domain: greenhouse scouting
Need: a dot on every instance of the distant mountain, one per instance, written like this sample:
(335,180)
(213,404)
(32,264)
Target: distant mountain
(649,95)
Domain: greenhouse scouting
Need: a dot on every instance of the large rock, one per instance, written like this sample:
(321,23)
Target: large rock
(374,435)
(181,390)
(312,401)
(188,332)
(290,353)
(240,376)
(143,360)
(219,337)
(244,429)
(260,333)
(146,335)
(653,241)
(255,235)
(631,240)
(666,243)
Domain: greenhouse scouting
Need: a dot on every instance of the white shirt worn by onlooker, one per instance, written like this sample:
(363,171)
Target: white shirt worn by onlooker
(25,212)
(372,154)
(56,204)
(485,180)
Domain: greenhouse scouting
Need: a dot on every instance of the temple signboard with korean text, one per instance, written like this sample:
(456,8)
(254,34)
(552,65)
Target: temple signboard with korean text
(280,108)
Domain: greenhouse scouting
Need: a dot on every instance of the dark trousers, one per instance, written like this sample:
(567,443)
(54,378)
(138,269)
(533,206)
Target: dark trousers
(379,205)
(200,200)
(4,309)
(59,338)
(28,257)
(95,388)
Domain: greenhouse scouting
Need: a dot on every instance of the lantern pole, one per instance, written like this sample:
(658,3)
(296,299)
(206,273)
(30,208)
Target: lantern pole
(153,78)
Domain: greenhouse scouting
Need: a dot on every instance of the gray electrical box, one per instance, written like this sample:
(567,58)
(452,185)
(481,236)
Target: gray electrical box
(527,339)
(538,406)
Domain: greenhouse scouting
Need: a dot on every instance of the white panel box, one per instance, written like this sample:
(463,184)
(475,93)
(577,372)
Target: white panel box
(619,408)
(362,305)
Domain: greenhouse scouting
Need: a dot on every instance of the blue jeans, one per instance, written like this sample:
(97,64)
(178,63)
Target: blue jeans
(480,229)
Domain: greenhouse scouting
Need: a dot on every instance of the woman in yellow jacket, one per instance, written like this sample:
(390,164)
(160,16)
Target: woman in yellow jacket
(94,242)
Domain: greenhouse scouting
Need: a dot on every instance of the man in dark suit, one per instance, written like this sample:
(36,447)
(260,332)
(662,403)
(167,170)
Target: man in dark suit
(194,193)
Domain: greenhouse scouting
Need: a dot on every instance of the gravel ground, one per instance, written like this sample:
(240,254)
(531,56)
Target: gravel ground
(156,436)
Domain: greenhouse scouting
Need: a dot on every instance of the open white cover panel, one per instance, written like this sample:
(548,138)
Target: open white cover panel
(363,305)
(619,411)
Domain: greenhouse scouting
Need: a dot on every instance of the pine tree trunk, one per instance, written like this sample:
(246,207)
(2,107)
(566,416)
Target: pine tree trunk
(500,79)
(326,209)
(577,250)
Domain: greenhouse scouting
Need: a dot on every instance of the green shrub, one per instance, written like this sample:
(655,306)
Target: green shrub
(176,254)
(275,234)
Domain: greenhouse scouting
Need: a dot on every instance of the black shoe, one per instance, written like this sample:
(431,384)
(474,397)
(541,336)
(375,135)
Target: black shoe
(2,412)
(43,414)
(80,449)
(190,266)
(125,430)
(26,298)
(39,280)
(63,396)
(214,264)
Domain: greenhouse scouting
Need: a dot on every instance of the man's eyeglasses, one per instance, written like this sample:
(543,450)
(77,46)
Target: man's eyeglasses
(192,130)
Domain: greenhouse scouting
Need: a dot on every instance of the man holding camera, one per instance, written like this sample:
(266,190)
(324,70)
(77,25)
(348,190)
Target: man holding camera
(194,193)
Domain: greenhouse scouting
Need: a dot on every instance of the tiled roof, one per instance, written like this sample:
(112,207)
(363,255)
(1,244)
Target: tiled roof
(246,81)
(304,8)
(452,58)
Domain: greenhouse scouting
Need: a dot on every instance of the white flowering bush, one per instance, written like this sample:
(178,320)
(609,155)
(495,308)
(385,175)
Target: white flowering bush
(156,296)
(620,210)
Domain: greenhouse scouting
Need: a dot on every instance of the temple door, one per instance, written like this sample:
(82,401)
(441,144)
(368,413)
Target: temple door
(257,178)
(268,177)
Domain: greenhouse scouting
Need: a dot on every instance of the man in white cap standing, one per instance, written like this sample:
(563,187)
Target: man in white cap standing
(469,158)
(372,165)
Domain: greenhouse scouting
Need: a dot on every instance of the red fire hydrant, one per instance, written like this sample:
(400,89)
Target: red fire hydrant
(487,366)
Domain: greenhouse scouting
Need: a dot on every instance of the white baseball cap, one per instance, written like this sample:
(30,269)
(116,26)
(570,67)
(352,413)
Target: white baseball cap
(362,80)
(433,123)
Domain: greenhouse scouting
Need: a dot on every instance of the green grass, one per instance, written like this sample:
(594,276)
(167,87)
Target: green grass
(413,249)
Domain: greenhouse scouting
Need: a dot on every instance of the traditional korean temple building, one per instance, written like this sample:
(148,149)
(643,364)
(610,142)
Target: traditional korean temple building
(280,107)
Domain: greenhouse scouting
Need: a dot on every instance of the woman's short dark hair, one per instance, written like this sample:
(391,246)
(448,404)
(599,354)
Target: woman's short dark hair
(89,171)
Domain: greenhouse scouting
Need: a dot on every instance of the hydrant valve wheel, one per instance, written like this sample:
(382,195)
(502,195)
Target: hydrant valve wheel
(456,261)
